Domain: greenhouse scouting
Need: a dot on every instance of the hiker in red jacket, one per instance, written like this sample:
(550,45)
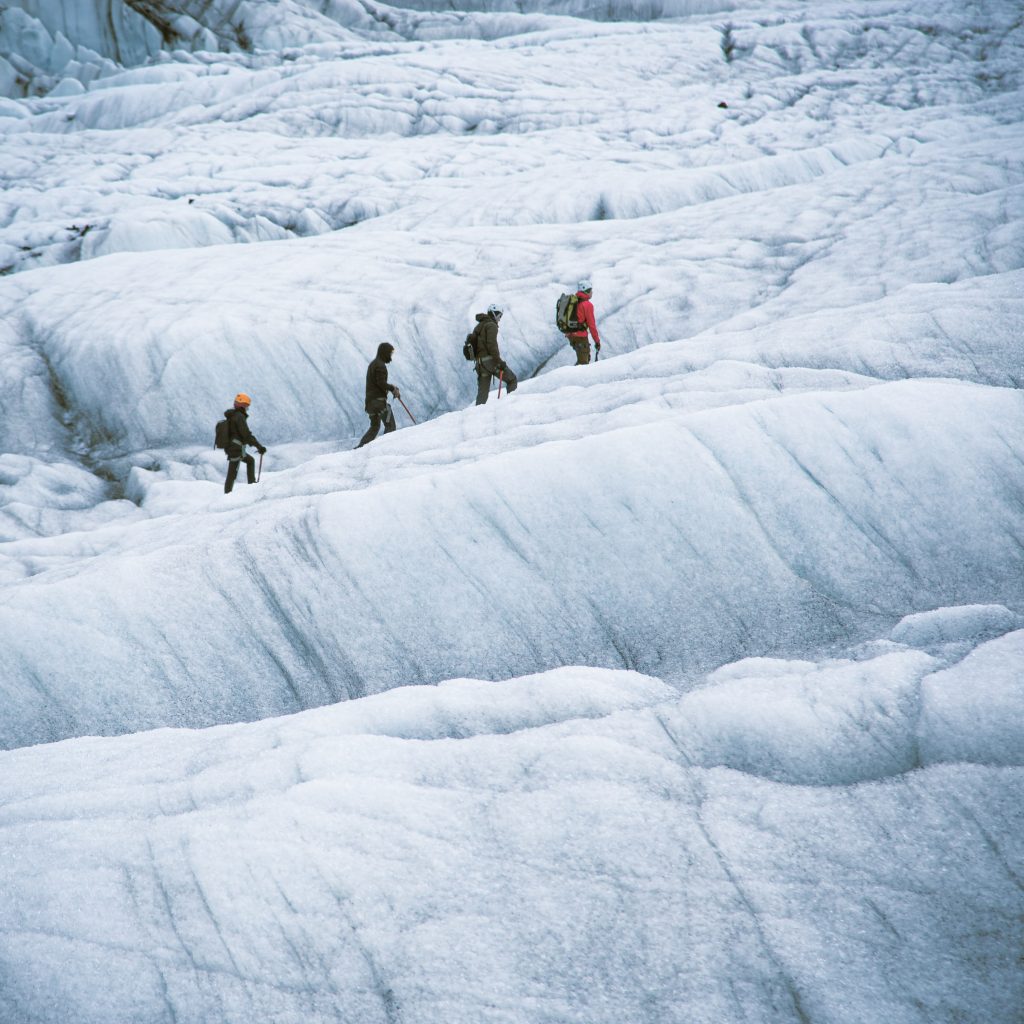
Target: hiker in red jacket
(585,315)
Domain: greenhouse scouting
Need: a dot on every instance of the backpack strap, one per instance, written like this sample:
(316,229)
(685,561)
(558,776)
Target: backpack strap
(478,339)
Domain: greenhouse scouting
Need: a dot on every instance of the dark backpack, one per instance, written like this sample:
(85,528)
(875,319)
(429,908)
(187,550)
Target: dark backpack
(469,349)
(222,434)
(565,314)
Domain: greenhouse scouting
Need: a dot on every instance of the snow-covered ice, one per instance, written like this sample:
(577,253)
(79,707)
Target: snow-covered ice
(684,686)
(581,845)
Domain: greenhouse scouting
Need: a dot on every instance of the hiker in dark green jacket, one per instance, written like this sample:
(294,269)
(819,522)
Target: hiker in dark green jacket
(489,363)
(377,391)
(239,435)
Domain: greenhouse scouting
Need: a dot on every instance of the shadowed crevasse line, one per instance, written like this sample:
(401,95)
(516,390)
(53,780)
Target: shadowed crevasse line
(72,421)
(699,796)
(291,631)
(389,1002)
(833,603)
(997,853)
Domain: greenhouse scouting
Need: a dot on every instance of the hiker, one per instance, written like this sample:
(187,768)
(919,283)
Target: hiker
(585,318)
(377,390)
(238,436)
(489,363)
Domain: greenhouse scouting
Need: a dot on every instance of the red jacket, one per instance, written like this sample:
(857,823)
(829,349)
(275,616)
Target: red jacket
(585,312)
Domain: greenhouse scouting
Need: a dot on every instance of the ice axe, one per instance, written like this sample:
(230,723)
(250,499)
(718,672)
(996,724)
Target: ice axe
(260,470)
(501,374)
(406,408)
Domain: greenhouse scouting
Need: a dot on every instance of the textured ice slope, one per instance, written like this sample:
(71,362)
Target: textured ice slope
(824,441)
(576,846)
(583,121)
(743,600)
(665,540)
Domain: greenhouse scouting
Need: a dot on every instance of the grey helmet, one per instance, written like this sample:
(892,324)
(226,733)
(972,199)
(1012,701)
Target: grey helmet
(584,285)
(495,310)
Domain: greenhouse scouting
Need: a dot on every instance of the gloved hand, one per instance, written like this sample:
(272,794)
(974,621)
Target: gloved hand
(261,449)
(597,345)
(396,392)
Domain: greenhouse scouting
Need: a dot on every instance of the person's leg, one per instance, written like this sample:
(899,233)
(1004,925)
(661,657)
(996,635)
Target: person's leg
(581,346)
(389,420)
(229,480)
(250,469)
(372,432)
(483,386)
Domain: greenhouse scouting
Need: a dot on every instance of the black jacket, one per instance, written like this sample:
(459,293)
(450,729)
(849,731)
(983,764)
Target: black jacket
(238,428)
(377,386)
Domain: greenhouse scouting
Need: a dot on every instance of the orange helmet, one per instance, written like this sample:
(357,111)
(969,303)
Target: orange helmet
(242,400)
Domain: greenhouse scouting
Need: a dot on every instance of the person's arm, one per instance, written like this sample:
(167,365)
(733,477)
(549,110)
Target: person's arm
(591,322)
(246,436)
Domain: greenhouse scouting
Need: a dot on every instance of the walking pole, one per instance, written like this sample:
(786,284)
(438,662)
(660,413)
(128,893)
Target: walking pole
(260,470)
(406,408)
(500,375)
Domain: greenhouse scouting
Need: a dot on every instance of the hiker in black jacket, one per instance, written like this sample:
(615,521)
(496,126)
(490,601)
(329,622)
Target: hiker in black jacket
(489,363)
(239,435)
(377,391)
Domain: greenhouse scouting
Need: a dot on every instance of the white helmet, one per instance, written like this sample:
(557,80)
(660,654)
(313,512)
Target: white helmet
(585,285)
(495,310)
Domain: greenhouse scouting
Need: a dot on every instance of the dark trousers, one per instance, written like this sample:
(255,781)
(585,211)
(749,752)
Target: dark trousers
(377,417)
(581,346)
(486,371)
(233,463)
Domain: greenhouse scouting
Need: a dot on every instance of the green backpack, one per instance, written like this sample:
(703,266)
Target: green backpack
(565,314)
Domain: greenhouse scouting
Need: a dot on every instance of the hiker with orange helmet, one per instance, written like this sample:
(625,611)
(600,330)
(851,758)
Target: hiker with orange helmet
(239,435)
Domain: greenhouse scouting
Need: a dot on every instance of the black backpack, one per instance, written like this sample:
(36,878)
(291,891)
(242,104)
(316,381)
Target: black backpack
(222,434)
(469,345)
(565,314)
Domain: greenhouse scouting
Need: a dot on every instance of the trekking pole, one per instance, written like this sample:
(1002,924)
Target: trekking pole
(260,470)
(406,408)
(500,375)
